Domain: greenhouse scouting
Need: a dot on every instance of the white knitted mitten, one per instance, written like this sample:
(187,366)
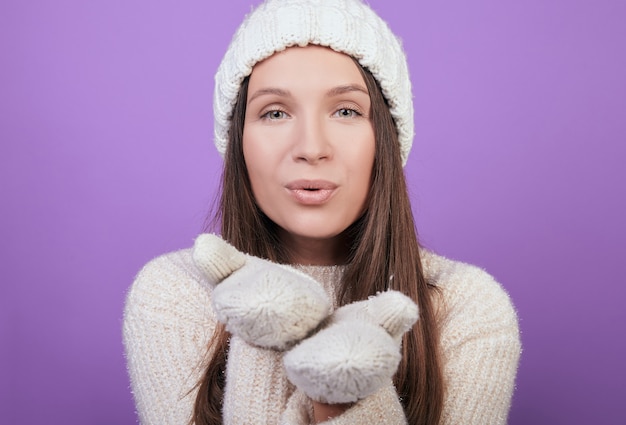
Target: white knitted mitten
(356,353)
(266,304)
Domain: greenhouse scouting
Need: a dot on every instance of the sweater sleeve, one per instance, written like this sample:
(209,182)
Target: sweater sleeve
(381,408)
(480,346)
(168,322)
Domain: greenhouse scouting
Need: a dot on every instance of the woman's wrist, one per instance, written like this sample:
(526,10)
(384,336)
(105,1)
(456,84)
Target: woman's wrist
(323,412)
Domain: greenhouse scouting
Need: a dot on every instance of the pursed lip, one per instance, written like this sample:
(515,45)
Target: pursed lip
(311,192)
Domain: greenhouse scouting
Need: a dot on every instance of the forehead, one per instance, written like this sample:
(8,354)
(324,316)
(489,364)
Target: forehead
(314,65)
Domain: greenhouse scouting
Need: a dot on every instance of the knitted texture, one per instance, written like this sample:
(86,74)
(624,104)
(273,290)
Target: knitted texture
(269,305)
(216,259)
(264,303)
(356,353)
(346,26)
(392,310)
(168,323)
(381,408)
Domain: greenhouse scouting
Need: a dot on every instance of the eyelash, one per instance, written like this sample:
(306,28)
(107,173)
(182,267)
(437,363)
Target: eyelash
(356,113)
(267,115)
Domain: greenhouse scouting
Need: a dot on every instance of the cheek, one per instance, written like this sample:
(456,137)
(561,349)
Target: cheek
(249,146)
(255,149)
(366,167)
(360,175)
(262,145)
(363,182)
(261,157)
(251,156)
(362,159)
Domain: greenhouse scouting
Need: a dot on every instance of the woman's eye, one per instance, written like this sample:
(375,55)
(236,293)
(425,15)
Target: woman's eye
(275,115)
(347,113)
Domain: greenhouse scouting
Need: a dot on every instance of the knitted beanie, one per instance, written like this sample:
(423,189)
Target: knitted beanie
(346,26)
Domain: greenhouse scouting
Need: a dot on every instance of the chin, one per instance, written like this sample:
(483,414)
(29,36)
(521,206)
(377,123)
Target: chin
(313,236)
(313,231)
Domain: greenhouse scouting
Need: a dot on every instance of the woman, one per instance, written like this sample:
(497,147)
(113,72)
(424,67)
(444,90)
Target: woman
(313,115)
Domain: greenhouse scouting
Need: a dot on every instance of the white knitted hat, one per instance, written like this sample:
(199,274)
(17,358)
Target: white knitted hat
(346,26)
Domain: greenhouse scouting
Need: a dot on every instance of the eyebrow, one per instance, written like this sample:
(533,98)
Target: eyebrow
(335,91)
(269,90)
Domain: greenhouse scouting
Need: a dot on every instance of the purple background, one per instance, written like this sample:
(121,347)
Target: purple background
(106,161)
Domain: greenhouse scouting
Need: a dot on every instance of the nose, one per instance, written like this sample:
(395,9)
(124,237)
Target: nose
(311,142)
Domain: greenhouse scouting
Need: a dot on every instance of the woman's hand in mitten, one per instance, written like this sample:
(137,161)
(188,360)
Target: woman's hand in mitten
(356,353)
(266,304)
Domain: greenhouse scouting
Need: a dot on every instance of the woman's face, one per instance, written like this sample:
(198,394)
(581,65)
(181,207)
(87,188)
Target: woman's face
(308,142)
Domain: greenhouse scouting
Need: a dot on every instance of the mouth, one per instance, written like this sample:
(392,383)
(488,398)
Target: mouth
(311,185)
(311,192)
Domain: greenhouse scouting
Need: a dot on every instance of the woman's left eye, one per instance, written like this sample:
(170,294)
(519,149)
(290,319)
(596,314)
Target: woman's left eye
(347,113)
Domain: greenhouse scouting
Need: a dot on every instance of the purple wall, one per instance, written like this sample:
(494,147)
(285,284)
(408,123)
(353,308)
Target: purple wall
(106,160)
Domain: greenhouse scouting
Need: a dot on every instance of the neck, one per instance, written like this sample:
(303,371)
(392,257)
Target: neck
(315,252)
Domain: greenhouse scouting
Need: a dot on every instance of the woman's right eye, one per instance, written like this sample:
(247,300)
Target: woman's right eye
(274,115)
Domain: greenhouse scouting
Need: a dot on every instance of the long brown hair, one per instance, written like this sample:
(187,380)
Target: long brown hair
(383,254)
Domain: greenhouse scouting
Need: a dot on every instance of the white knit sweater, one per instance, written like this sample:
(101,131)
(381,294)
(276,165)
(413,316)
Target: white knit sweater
(168,323)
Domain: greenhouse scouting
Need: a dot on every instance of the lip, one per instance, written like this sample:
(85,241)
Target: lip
(311,192)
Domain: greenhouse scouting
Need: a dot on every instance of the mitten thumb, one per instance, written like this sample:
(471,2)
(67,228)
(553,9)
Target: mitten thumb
(391,310)
(394,311)
(215,258)
(357,351)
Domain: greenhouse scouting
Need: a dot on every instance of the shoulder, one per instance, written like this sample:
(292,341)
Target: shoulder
(168,284)
(471,303)
(479,340)
(169,265)
(168,323)
(465,284)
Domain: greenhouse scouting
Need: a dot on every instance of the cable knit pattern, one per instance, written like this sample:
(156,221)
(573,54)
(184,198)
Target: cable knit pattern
(252,397)
(346,26)
(480,341)
(168,323)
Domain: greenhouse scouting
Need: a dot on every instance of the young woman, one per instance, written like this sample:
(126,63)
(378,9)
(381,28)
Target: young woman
(313,115)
